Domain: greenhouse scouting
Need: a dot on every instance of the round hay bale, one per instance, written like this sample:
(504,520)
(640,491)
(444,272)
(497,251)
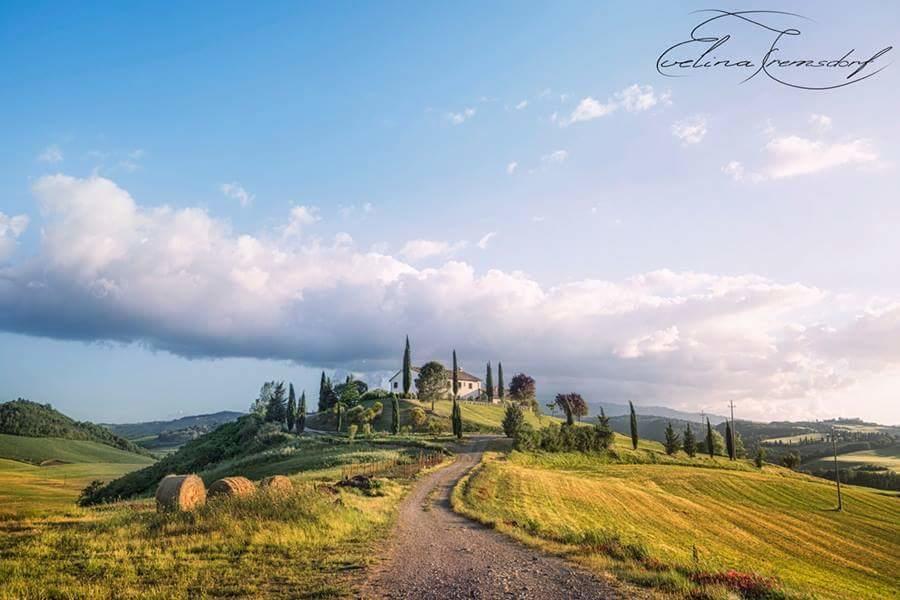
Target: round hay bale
(232,487)
(277,484)
(180,492)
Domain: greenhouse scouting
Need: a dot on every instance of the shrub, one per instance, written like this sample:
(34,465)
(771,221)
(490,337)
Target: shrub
(760,457)
(790,460)
(568,438)
(417,417)
(512,420)
(351,431)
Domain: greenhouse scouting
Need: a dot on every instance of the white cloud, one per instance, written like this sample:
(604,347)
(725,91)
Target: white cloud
(820,122)
(299,218)
(521,105)
(793,155)
(735,170)
(236,191)
(634,98)
(511,167)
(368,208)
(183,281)
(459,118)
(51,154)
(485,240)
(555,158)
(418,250)
(10,229)
(691,130)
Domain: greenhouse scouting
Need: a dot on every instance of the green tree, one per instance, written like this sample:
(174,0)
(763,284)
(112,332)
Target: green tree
(689,442)
(323,394)
(573,405)
(276,409)
(489,382)
(729,441)
(407,369)
(301,413)
(339,411)
(455,376)
(633,424)
(432,382)
(513,419)
(291,416)
(710,447)
(603,420)
(349,392)
(790,460)
(457,419)
(500,391)
(739,450)
(395,415)
(760,457)
(673,441)
(523,391)
(261,404)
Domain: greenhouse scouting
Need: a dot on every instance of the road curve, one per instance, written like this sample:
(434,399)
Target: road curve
(436,553)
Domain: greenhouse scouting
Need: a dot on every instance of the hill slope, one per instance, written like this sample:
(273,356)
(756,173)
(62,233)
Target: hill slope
(204,423)
(37,450)
(679,527)
(26,418)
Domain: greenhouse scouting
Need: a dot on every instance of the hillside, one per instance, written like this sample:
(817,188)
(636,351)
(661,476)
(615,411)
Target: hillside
(201,423)
(38,450)
(30,419)
(681,527)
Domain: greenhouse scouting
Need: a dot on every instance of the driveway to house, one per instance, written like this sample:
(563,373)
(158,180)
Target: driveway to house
(436,553)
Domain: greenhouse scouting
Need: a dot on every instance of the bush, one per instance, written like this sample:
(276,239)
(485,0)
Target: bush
(568,438)
(351,431)
(513,420)
(790,460)
(417,417)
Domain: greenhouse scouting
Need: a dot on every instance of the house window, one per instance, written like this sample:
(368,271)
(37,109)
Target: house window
(395,385)
(470,385)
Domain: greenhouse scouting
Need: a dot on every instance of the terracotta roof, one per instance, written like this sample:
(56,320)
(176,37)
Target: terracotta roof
(463,375)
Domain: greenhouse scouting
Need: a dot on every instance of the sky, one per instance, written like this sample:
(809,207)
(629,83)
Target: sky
(197,199)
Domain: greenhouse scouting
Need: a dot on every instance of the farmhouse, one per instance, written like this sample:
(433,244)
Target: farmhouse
(469,386)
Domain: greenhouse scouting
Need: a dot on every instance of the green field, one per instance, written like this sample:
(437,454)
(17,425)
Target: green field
(40,449)
(889,458)
(642,522)
(796,439)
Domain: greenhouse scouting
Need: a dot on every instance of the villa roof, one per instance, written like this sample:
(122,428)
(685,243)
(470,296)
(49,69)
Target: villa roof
(462,375)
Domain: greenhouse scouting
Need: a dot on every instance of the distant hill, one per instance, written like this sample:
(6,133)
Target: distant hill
(616,410)
(199,423)
(25,418)
(44,451)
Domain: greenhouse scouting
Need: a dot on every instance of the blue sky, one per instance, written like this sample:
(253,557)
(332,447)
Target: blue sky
(339,175)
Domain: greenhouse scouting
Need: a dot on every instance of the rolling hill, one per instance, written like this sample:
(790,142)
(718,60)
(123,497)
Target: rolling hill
(30,419)
(202,423)
(41,450)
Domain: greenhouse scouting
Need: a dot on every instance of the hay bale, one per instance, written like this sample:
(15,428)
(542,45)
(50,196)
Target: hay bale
(277,484)
(180,492)
(232,487)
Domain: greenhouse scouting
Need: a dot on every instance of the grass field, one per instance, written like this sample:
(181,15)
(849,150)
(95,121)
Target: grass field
(642,522)
(796,439)
(889,458)
(39,449)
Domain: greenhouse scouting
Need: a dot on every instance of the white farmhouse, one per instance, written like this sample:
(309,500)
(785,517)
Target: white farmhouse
(469,386)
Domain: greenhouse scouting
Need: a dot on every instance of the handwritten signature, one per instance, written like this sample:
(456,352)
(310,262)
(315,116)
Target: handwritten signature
(702,51)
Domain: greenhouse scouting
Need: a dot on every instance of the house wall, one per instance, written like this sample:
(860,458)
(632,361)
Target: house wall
(396,385)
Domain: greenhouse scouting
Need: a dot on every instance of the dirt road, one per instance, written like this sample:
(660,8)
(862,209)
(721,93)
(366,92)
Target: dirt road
(436,553)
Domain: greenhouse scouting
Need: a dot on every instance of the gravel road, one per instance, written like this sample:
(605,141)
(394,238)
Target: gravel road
(436,553)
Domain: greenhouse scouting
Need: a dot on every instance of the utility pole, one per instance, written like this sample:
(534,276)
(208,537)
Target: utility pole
(837,473)
(733,447)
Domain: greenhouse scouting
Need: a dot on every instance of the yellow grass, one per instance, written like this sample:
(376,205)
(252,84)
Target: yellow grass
(775,522)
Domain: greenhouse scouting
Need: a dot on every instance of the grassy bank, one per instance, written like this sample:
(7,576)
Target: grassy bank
(668,525)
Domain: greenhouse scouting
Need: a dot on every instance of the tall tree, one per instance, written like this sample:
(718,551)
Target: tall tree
(729,441)
(689,442)
(432,382)
(710,447)
(291,416)
(489,382)
(634,429)
(407,369)
(301,413)
(395,415)
(323,394)
(573,405)
(522,390)
(455,376)
(672,440)
(500,391)
(457,419)
(603,419)
(275,411)
(261,404)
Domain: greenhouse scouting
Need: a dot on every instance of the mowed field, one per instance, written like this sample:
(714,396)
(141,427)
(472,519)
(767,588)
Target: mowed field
(28,490)
(657,524)
(888,458)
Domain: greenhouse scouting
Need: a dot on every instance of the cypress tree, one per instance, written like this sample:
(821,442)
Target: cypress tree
(291,416)
(689,443)
(709,439)
(407,369)
(457,419)
(634,430)
(275,410)
(340,416)
(395,415)
(604,420)
(729,441)
(672,441)
(301,413)
(455,377)
(500,392)
(489,382)
(323,396)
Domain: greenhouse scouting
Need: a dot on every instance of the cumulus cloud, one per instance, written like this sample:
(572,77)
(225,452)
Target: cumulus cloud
(298,219)
(51,154)
(486,239)
(417,250)
(522,105)
(458,118)
(820,122)
(180,280)
(634,98)
(691,130)
(10,229)
(554,158)
(236,191)
(511,167)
